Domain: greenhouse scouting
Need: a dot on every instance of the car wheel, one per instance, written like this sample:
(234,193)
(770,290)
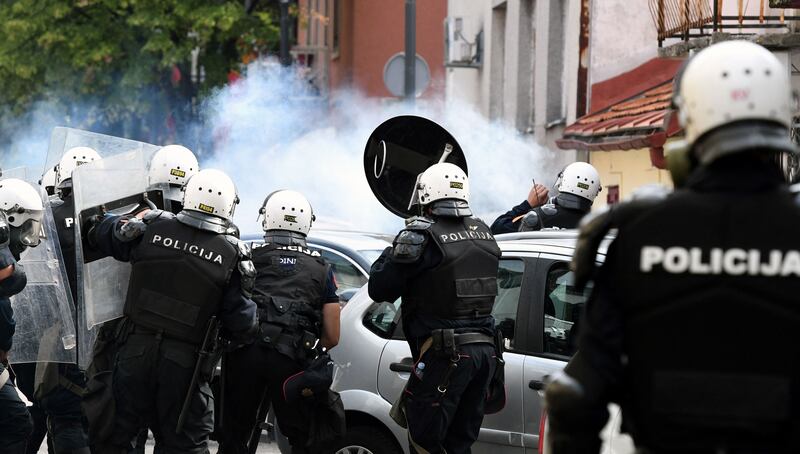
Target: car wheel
(367,440)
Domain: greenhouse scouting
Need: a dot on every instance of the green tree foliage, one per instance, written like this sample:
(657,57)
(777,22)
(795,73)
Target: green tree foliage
(123,66)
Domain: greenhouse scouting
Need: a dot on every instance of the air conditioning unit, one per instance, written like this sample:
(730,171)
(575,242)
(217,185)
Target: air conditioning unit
(463,44)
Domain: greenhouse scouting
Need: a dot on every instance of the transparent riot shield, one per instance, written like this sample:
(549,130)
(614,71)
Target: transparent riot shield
(113,185)
(43,310)
(63,138)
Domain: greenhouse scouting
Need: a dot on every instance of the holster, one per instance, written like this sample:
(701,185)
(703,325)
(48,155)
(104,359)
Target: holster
(496,394)
(443,342)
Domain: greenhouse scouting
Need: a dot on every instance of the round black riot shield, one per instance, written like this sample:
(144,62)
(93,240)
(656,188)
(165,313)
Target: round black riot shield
(398,151)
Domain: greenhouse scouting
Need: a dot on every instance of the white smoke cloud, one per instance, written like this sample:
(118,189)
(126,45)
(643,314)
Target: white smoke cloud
(269,135)
(270,132)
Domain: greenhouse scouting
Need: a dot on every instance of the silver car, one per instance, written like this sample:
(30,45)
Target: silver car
(350,254)
(538,310)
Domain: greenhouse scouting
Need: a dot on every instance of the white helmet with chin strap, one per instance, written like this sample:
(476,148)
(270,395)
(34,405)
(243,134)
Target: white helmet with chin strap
(735,82)
(172,164)
(70,161)
(287,210)
(211,192)
(581,179)
(23,208)
(439,182)
(48,181)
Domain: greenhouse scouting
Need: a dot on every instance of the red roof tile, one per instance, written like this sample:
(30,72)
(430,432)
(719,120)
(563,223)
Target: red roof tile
(630,123)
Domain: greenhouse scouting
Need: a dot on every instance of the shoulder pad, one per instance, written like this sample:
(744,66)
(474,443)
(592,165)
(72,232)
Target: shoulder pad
(152,215)
(549,209)
(245,252)
(594,228)
(409,245)
(418,223)
(530,222)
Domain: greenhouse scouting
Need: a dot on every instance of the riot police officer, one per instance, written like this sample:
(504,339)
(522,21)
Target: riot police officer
(444,266)
(20,220)
(59,394)
(296,295)
(577,185)
(668,332)
(189,282)
(168,171)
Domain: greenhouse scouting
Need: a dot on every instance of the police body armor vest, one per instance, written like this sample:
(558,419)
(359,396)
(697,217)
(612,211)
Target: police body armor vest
(64,218)
(464,284)
(290,287)
(552,215)
(178,278)
(712,321)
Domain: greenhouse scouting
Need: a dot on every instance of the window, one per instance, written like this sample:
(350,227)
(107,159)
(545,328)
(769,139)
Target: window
(563,307)
(382,318)
(509,285)
(347,275)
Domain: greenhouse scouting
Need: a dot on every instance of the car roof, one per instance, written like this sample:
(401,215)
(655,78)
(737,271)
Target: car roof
(553,241)
(346,242)
(358,241)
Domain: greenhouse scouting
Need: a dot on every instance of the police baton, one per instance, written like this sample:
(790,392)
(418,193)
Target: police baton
(206,350)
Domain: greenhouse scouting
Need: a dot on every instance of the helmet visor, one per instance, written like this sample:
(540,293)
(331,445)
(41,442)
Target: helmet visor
(30,232)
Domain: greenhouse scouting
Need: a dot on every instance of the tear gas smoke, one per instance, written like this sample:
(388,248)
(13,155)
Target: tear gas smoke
(270,135)
(270,131)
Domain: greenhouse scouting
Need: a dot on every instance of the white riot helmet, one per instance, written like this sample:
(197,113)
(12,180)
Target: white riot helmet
(172,164)
(731,82)
(581,179)
(23,208)
(441,181)
(287,210)
(72,159)
(211,192)
(48,181)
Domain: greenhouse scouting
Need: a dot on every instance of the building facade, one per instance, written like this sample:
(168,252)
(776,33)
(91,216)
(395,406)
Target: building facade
(346,44)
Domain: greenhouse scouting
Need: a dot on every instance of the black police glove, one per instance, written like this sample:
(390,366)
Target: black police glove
(15,283)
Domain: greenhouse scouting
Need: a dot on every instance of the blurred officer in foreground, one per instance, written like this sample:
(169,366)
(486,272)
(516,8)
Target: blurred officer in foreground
(60,392)
(189,284)
(577,185)
(690,274)
(21,212)
(444,265)
(297,303)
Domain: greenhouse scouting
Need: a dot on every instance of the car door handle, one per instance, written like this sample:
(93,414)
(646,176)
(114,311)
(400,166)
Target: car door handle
(405,365)
(538,385)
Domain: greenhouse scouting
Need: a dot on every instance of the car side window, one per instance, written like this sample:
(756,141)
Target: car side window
(563,307)
(506,305)
(347,275)
(382,318)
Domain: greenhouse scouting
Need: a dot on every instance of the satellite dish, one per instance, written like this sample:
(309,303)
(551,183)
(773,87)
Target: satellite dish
(394,75)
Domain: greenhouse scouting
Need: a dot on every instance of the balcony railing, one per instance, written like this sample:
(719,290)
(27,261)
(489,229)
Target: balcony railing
(686,19)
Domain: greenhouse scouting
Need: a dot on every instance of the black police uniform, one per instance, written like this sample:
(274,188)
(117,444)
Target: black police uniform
(293,283)
(181,277)
(704,314)
(445,270)
(563,211)
(15,421)
(59,395)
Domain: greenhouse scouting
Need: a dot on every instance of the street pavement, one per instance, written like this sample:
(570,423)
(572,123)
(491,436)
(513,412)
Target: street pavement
(263,448)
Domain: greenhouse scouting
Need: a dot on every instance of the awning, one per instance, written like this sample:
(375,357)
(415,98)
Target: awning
(642,119)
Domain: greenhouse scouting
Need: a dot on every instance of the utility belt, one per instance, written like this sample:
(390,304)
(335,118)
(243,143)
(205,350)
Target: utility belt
(447,341)
(296,343)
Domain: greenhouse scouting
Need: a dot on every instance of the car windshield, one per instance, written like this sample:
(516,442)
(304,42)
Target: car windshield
(371,254)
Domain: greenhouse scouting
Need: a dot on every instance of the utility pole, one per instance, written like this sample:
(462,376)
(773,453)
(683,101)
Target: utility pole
(286,59)
(411,50)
